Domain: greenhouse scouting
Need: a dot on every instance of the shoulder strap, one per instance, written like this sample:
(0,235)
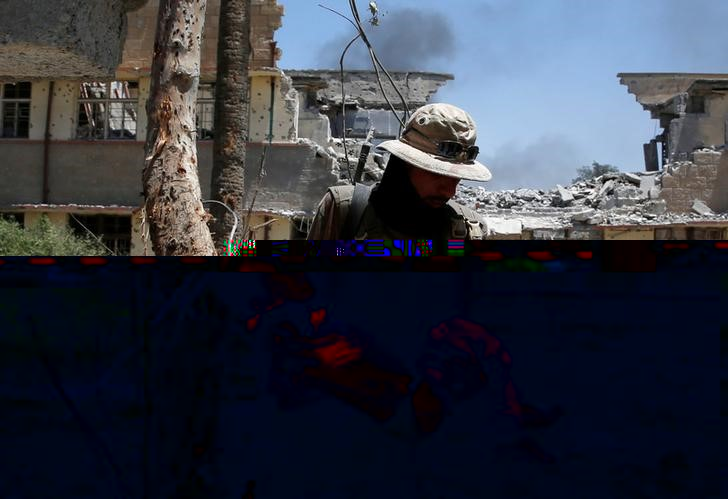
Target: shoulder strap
(356,211)
(466,223)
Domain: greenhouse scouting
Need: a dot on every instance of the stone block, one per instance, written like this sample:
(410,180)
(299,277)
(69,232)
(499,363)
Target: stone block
(628,196)
(701,208)
(708,172)
(668,181)
(583,216)
(607,188)
(563,197)
(632,178)
(706,157)
(680,171)
(597,219)
(656,207)
(607,203)
(696,184)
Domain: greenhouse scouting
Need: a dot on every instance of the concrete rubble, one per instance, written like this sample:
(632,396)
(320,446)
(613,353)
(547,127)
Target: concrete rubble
(614,199)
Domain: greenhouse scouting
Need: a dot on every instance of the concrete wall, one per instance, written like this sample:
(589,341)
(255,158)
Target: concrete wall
(692,131)
(137,55)
(41,39)
(685,182)
(631,234)
(109,173)
(64,115)
(21,168)
(719,200)
(285,107)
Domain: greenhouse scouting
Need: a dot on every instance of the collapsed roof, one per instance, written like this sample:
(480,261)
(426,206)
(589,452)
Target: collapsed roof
(656,90)
(362,88)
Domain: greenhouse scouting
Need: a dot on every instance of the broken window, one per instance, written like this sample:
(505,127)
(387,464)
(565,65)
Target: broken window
(359,121)
(205,119)
(113,230)
(108,110)
(15,110)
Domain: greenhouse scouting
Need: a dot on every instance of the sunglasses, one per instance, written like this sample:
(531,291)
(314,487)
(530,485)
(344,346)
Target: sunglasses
(450,149)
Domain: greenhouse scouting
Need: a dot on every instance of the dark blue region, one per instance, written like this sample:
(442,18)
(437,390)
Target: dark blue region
(150,385)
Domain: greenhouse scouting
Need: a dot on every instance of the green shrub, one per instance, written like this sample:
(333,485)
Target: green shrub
(45,239)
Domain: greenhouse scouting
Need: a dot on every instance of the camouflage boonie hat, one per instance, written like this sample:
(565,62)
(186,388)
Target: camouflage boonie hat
(440,138)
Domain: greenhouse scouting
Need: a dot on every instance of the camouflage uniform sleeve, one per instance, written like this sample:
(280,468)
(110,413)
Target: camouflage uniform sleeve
(324,226)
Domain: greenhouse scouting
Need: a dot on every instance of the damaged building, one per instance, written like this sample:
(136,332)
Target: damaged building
(74,123)
(361,114)
(682,194)
(73,132)
(692,110)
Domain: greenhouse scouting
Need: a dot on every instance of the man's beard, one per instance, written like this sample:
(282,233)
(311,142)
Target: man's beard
(397,203)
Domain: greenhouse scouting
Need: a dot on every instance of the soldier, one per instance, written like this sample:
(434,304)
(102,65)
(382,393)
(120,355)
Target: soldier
(413,201)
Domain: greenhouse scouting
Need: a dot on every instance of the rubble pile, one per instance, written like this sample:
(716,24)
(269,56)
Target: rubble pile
(612,199)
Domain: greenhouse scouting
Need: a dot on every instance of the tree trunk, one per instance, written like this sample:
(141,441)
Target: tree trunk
(177,219)
(231,119)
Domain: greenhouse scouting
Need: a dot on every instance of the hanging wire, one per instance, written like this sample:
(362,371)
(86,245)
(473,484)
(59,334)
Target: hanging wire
(343,106)
(378,69)
(94,235)
(378,65)
(235,225)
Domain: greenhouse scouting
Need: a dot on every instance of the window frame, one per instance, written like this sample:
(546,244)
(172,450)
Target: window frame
(100,224)
(16,216)
(17,102)
(107,100)
(200,105)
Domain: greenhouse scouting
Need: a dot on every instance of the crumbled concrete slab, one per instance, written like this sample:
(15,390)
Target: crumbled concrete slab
(607,203)
(632,178)
(503,227)
(701,208)
(583,216)
(362,87)
(607,188)
(628,196)
(647,183)
(597,219)
(654,208)
(607,200)
(563,197)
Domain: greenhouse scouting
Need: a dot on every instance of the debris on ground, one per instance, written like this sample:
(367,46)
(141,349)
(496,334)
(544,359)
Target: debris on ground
(612,199)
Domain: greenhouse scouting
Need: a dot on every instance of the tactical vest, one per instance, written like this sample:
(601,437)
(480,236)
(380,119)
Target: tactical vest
(358,220)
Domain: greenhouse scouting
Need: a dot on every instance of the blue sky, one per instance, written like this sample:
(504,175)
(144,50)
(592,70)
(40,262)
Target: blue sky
(539,77)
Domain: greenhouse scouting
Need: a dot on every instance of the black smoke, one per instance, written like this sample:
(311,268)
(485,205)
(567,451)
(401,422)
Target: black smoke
(406,39)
